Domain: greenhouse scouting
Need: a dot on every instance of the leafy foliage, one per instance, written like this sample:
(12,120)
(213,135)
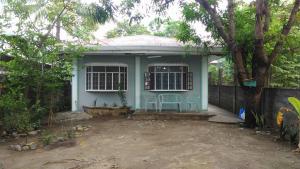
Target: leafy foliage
(284,70)
(16,116)
(41,63)
(157,27)
(213,74)
(296,103)
(47,137)
(165,28)
(226,70)
(122,96)
(125,29)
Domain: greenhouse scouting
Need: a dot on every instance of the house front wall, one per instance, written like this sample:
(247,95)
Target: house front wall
(87,98)
(137,66)
(194,64)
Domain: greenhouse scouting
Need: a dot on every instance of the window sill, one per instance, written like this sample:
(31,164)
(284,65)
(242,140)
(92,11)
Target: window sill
(104,90)
(168,90)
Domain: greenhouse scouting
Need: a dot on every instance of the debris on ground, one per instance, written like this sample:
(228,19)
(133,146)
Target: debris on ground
(71,116)
(4,133)
(297,150)
(260,132)
(81,128)
(66,143)
(34,132)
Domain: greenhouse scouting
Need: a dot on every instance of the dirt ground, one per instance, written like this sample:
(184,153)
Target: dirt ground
(132,144)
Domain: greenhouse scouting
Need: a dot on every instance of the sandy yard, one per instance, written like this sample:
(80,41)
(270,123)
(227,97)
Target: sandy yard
(133,144)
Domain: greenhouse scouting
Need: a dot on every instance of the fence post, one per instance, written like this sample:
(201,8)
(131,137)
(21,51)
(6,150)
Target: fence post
(219,85)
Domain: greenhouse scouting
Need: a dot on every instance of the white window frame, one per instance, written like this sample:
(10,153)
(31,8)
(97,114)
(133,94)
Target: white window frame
(106,65)
(169,90)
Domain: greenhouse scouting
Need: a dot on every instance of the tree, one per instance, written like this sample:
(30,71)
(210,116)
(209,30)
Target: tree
(226,29)
(125,29)
(41,62)
(165,28)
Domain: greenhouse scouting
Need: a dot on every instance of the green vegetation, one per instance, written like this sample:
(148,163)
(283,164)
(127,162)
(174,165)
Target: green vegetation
(157,27)
(122,96)
(47,138)
(296,104)
(125,29)
(41,63)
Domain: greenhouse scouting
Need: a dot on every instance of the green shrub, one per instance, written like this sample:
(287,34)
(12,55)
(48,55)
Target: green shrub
(70,134)
(14,112)
(122,95)
(296,104)
(47,138)
(37,112)
(17,121)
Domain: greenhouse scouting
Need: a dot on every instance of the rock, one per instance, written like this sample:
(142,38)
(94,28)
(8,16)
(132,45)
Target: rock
(23,135)
(77,134)
(14,134)
(258,132)
(33,146)
(33,133)
(11,147)
(25,148)
(79,128)
(71,116)
(60,139)
(2,140)
(17,147)
(4,133)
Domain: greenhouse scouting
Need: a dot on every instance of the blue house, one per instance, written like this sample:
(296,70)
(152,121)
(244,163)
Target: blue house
(144,67)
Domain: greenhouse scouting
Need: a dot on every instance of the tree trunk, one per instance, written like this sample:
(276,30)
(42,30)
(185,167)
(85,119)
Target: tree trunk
(253,104)
(57,35)
(50,115)
(253,95)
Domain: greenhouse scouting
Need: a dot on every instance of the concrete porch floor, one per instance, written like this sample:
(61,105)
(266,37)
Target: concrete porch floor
(213,114)
(222,115)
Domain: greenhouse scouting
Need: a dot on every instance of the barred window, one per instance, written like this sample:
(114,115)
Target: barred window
(106,78)
(168,78)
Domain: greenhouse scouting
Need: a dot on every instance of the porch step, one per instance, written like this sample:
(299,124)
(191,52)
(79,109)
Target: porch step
(170,116)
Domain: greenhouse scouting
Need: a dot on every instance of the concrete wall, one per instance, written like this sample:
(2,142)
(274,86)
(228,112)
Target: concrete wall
(135,99)
(87,98)
(231,98)
(194,63)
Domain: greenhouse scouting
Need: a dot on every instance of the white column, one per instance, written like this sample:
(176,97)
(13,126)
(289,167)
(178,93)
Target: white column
(137,82)
(75,85)
(204,83)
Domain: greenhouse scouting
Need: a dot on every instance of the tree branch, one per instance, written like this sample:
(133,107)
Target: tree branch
(259,53)
(228,37)
(284,32)
(267,15)
(231,21)
(216,19)
(51,26)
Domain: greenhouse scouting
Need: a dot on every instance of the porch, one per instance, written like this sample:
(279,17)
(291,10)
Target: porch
(213,114)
